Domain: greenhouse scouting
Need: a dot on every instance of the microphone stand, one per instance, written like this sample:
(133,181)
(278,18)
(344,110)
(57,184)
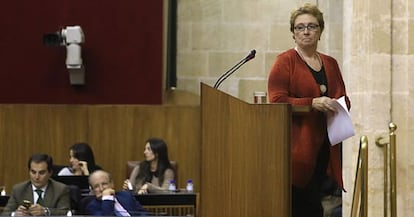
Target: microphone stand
(234,68)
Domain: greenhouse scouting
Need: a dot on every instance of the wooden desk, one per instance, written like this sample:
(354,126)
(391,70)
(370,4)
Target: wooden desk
(170,203)
(3,200)
(167,198)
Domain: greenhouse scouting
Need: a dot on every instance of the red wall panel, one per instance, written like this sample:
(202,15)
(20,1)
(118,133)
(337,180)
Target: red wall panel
(122,52)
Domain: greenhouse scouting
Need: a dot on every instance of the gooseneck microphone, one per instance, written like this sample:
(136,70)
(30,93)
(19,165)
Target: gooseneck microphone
(250,56)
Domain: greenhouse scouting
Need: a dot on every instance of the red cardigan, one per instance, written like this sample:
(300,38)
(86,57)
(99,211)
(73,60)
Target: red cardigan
(290,81)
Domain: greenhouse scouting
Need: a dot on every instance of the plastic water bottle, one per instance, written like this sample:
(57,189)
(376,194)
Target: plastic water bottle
(190,186)
(3,192)
(69,213)
(172,187)
(130,187)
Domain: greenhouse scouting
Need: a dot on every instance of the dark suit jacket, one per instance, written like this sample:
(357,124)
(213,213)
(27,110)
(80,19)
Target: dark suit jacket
(98,207)
(56,197)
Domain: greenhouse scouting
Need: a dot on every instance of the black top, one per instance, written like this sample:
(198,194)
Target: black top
(320,78)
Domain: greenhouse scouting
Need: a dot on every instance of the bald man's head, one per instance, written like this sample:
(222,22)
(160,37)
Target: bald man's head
(99,181)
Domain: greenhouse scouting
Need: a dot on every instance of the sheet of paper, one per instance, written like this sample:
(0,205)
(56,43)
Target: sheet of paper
(340,124)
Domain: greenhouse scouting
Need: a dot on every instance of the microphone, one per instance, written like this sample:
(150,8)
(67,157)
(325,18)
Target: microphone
(223,77)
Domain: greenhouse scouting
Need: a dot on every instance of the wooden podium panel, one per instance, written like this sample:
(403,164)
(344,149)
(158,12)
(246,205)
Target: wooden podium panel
(245,157)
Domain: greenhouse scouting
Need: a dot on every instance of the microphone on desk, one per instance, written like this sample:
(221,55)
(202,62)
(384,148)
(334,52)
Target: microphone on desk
(250,56)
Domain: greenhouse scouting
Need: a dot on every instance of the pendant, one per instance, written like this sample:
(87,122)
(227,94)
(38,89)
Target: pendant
(322,87)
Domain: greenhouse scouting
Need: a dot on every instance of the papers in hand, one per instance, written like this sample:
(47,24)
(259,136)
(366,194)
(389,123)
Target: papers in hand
(340,124)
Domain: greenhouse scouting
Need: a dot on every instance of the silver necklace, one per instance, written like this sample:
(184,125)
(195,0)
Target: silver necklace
(304,60)
(322,87)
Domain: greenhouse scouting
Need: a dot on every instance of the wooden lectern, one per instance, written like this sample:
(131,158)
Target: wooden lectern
(245,157)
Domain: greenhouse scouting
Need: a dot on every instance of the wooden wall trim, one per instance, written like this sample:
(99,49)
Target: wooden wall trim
(116,133)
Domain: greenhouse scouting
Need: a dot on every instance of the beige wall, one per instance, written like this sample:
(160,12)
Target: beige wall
(214,35)
(371,41)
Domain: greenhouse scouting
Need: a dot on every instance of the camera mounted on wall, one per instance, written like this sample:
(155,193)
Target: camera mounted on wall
(72,37)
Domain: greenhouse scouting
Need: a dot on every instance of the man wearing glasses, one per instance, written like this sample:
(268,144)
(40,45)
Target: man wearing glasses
(107,202)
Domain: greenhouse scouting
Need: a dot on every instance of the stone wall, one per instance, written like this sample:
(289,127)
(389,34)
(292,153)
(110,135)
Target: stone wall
(370,40)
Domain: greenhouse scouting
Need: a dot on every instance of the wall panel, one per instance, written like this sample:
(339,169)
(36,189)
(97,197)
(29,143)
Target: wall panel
(116,133)
(122,53)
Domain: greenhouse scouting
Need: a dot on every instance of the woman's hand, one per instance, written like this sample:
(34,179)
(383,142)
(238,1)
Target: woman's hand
(83,165)
(143,189)
(324,104)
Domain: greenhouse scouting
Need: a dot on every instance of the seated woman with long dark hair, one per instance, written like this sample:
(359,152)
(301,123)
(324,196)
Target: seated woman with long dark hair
(155,172)
(82,161)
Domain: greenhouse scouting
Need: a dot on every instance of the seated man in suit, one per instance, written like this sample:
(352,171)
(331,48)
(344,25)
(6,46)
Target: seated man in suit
(40,195)
(107,202)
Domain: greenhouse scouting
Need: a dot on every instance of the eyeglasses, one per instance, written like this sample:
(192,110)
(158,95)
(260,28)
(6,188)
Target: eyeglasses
(102,185)
(310,27)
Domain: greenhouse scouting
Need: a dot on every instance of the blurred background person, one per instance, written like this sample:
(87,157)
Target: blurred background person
(44,196)
(303,76)
(107,202)
(155,172)
(82,161)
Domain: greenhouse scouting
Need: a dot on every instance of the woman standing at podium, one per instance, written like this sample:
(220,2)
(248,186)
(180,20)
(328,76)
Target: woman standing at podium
(302,76)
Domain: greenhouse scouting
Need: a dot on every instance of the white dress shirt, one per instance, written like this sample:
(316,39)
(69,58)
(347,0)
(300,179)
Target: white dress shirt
(117,206)
(35,195)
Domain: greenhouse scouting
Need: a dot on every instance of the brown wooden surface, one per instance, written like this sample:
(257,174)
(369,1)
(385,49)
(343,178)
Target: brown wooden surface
(245,160)
(116,133)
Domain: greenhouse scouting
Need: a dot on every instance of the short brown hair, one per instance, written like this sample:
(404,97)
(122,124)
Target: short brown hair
(307,8)
(39,158)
